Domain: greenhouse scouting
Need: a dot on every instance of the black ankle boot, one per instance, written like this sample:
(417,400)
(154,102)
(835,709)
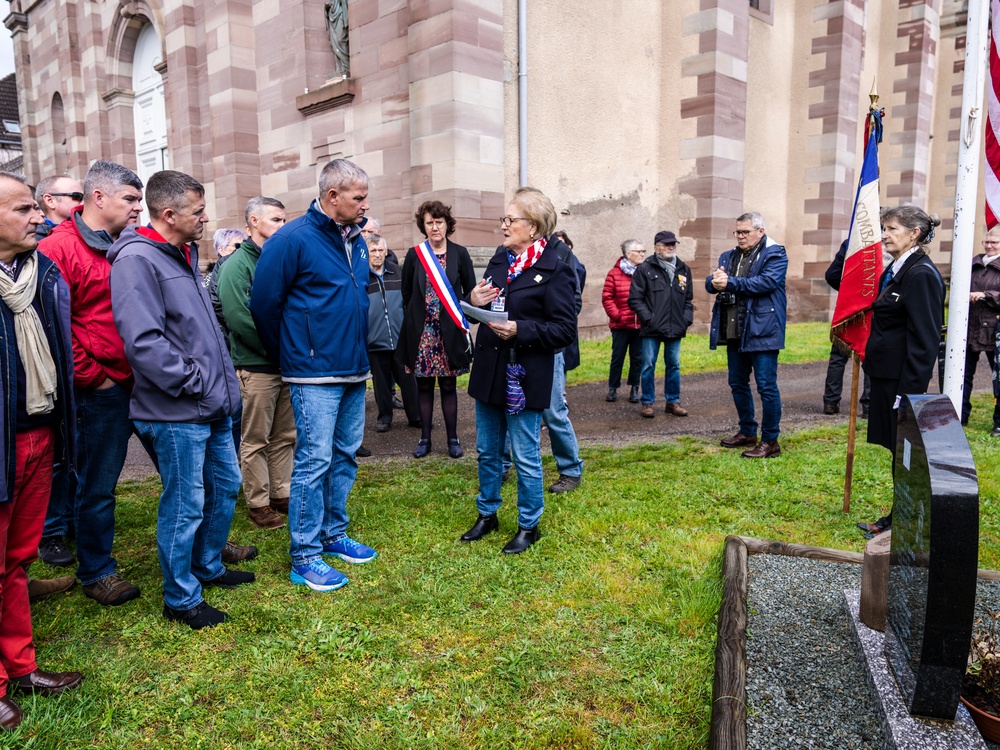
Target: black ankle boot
(484,525)
(423,448)
(523,539)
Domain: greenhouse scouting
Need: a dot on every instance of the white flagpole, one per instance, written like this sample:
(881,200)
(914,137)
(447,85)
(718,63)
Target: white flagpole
(970,150)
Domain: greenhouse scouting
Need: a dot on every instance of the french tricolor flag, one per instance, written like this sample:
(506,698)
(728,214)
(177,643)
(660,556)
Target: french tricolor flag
(852,315)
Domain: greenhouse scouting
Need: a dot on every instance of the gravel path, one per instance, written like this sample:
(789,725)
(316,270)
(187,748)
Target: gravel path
(805,686)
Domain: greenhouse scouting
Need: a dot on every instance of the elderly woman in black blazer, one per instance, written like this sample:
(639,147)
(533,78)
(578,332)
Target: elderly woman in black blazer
(907,317)
(527,280)
(431,345)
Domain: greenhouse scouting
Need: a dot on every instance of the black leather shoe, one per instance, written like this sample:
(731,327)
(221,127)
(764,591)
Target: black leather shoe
(612,394)
(46,683)
(423,448)
(523,539)
(484,525)
(633,395)
(10,713)
(362,452)
(455,448)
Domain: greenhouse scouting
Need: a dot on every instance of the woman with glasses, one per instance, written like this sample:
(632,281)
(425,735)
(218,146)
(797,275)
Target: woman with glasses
(907,316)
(433,343)
(623,322)
(512,372)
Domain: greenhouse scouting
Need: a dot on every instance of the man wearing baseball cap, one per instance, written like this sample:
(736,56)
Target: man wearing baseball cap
(661,298)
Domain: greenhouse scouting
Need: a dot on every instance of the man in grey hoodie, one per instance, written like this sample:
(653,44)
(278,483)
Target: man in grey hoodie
(184,395)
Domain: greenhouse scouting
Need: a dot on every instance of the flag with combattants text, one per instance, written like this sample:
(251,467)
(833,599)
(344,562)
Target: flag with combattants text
(852,315)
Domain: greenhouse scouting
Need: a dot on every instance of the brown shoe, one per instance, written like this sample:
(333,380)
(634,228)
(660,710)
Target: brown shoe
(234,553)
(265,518)
(737,440)
(763,450)
(646,410)
(43,588)
(46,683)
(10,713)
(676,409)
(111,591)
(280,505)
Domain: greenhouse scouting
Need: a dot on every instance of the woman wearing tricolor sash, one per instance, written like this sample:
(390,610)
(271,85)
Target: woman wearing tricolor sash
(434,342)
(511,377)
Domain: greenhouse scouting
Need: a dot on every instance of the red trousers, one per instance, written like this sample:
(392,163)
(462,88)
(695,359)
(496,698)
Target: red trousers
(21,522)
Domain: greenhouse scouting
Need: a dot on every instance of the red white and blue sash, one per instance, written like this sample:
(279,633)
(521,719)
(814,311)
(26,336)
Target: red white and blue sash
(442,287)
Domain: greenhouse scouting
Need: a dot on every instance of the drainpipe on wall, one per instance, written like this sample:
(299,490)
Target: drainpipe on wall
(522,89)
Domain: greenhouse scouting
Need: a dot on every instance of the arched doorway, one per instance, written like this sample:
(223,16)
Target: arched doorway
(149,107)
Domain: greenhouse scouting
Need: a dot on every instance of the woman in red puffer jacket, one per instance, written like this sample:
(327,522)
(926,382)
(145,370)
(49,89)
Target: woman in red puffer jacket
(623,322)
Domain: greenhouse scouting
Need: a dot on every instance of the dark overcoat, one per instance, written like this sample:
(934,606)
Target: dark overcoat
(462,276)
(542,303)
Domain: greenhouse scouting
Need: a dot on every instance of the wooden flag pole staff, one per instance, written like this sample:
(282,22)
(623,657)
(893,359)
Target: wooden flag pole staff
(852,430)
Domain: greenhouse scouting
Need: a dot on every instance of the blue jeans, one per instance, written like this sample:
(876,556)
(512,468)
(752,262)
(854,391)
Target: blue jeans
(493,426)
(103,430)
(672,376)
(200,478)
(764,366)
(60,511)
(562,436)
(329,427)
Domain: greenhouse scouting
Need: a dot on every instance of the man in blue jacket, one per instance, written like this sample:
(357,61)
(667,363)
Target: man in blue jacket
(310,304)
(184,395)
(749,318)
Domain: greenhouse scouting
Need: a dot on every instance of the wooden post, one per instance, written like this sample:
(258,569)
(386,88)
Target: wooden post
(851,432)
(729,690)
(875,581)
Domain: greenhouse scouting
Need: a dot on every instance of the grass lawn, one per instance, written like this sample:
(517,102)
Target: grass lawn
(602,635)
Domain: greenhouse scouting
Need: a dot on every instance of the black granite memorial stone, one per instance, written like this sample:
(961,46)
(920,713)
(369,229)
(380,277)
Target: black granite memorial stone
(933,558)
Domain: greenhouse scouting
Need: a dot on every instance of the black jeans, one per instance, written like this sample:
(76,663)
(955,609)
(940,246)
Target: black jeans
(971,360)
(384,367)
(835,380)
(622,339)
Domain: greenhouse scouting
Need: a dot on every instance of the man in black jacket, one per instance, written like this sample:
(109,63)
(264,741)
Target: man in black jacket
(838,360)
(661,296)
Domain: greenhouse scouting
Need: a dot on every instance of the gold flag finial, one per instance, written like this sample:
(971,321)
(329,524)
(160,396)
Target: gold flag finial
(873,94)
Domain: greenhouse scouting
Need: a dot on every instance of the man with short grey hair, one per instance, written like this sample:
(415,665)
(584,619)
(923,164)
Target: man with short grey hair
(102,378)
(310,305)
(268,430)
(749,318)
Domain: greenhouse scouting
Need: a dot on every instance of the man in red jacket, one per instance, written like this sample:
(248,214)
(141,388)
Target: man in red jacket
(103,378)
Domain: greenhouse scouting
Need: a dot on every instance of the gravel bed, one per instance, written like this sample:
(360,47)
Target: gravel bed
(805,686)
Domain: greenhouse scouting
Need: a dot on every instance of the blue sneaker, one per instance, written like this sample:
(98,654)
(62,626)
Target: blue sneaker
(318,576)
(350,551)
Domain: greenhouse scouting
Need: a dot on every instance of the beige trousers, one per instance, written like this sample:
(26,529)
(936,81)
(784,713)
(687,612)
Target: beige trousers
(268,442)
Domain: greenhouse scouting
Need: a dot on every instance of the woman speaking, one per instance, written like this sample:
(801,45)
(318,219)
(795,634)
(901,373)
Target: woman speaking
(526,280)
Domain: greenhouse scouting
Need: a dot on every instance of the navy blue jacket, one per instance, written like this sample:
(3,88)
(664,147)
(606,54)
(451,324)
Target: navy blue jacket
(310,305)
(906,326)
(172,338)
(542,303)
(764,290)
(53,307)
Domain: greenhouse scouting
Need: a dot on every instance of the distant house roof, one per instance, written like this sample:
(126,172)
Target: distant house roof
(10,128)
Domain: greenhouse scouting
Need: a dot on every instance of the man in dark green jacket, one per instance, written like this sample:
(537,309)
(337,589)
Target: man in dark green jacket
(268,437)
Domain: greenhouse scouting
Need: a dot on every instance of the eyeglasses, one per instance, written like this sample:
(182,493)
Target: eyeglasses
(640,250)
(506,221)
(75,196)
(742,232)
(991,242)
